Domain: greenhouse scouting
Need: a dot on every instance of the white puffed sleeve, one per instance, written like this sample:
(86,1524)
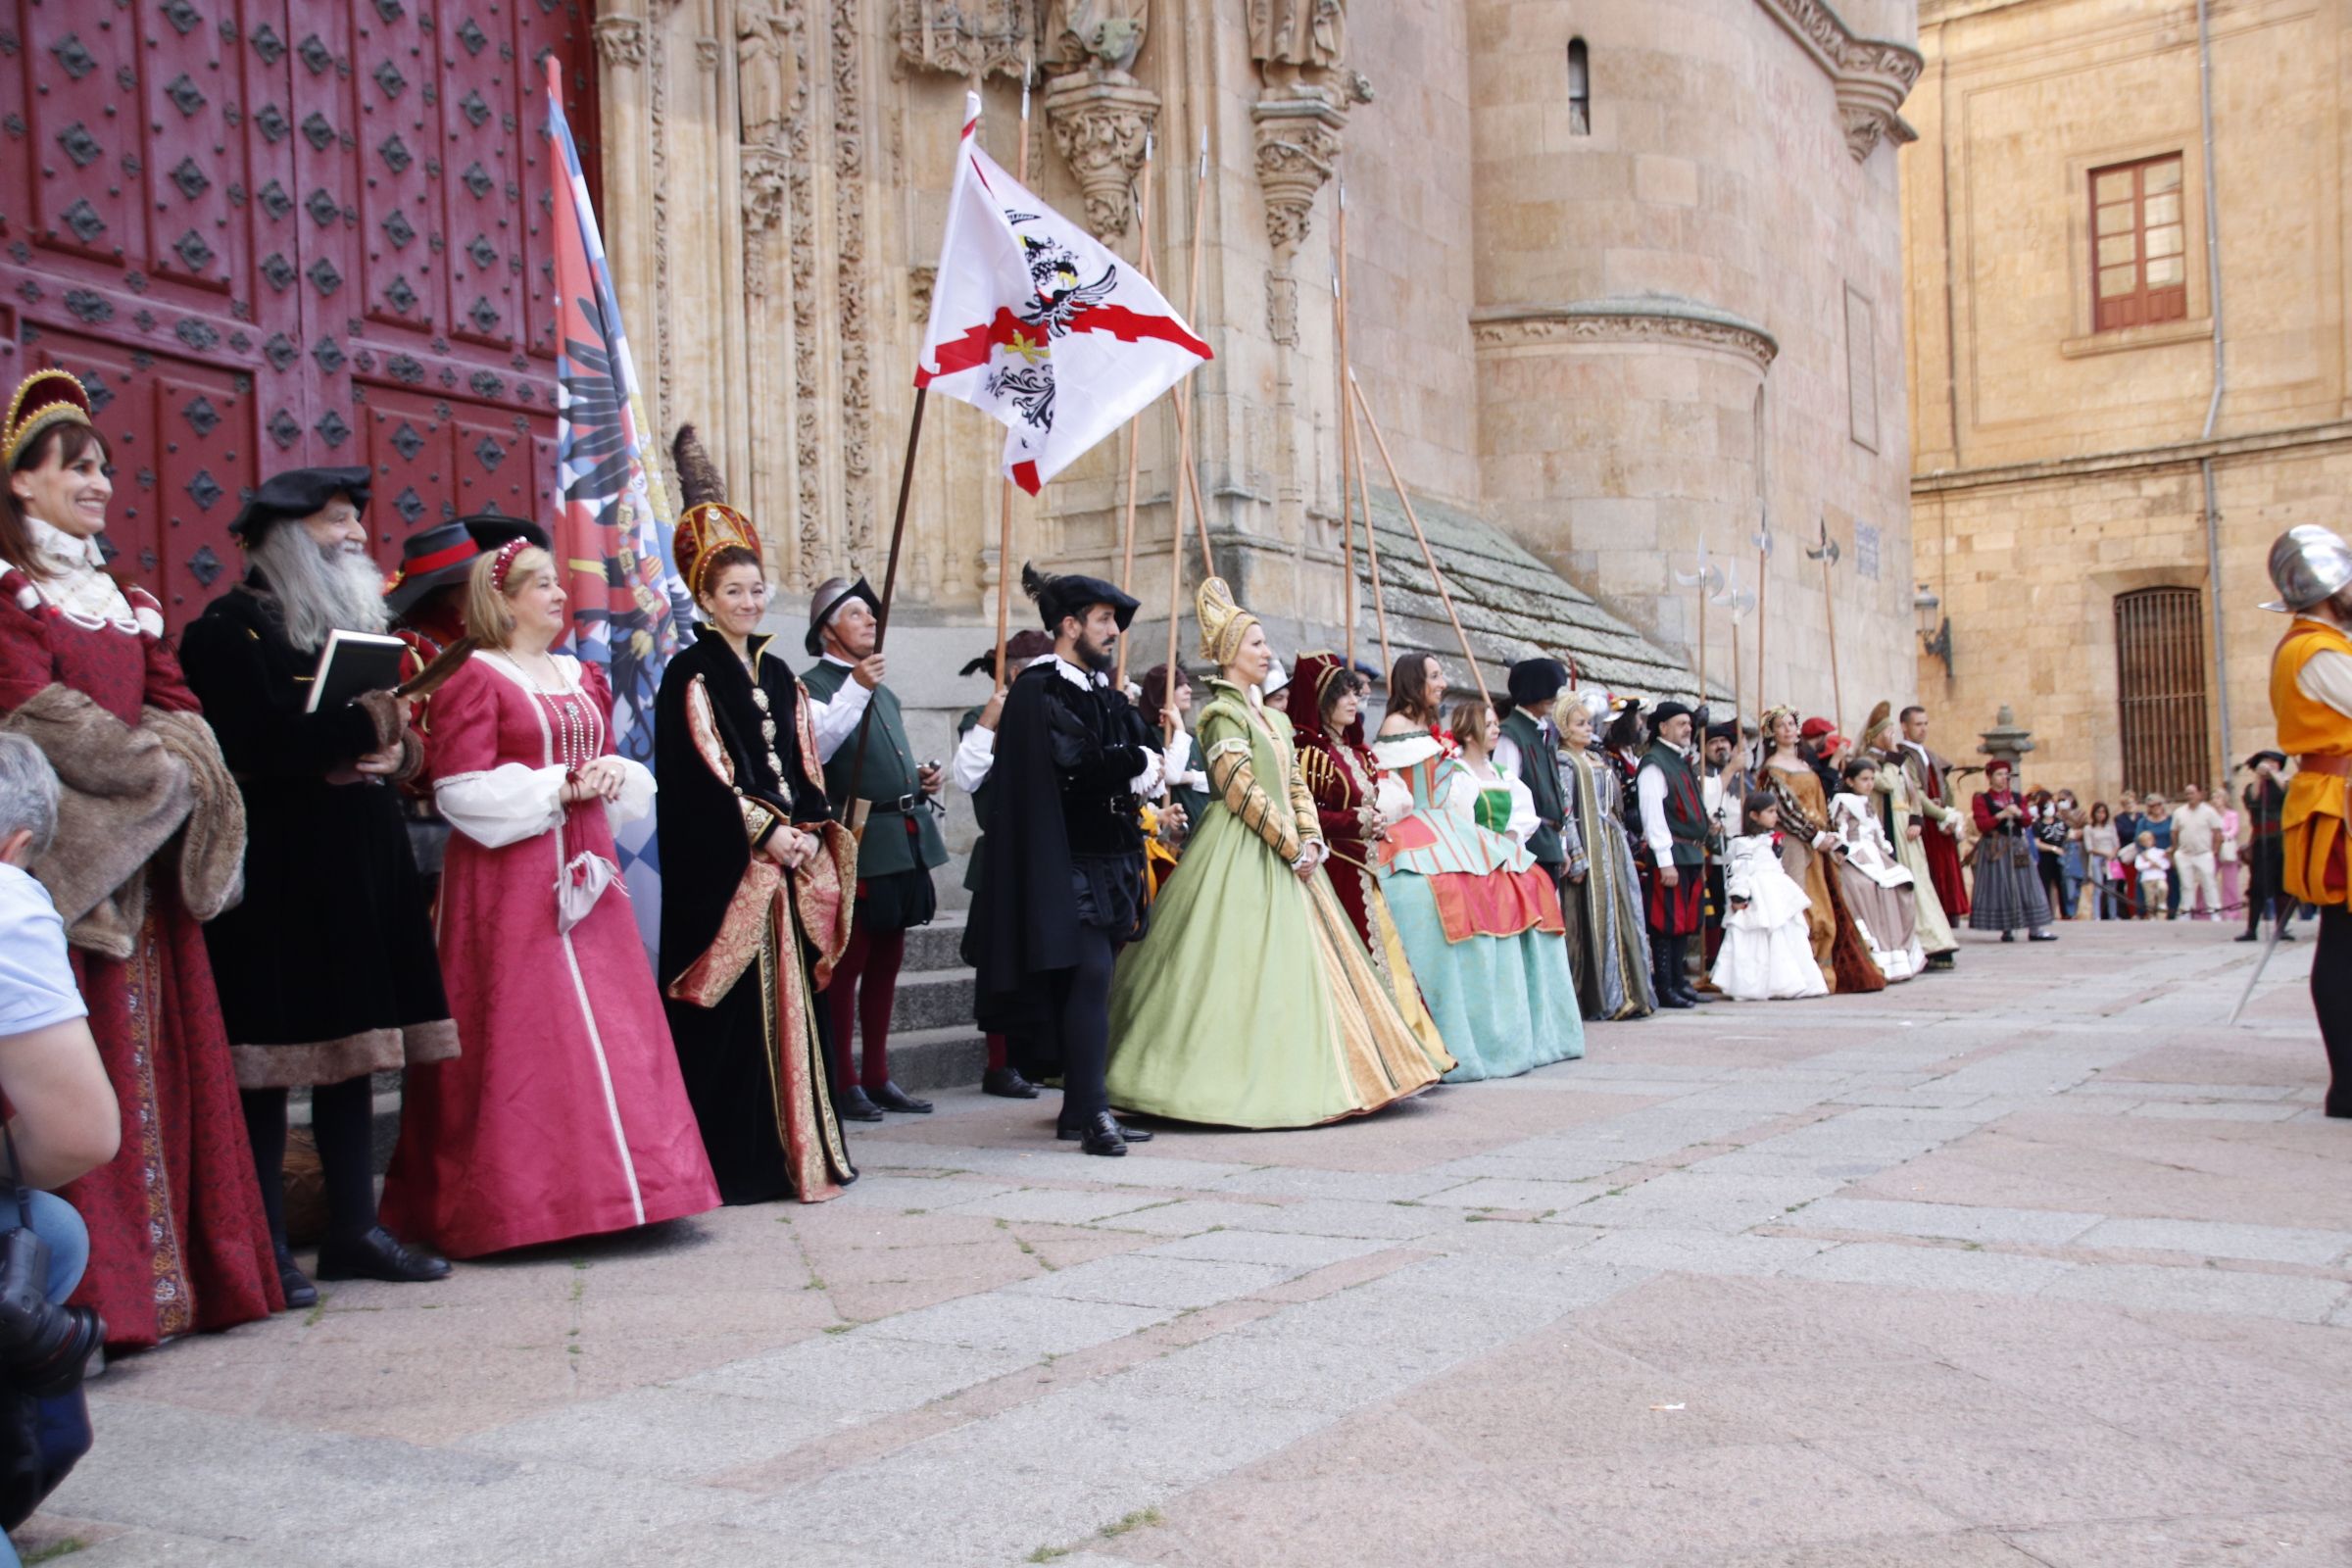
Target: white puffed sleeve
(507,804)
(636,797)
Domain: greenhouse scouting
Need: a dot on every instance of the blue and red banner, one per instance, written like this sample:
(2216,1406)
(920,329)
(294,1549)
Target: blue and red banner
(613,527)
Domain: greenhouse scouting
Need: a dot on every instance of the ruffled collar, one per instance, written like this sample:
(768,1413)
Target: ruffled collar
(72,577)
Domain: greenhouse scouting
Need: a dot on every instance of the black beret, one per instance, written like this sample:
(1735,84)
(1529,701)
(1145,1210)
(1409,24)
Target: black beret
(298,493)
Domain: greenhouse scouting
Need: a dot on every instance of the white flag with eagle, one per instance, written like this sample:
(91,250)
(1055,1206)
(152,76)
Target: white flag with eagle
(1036,324)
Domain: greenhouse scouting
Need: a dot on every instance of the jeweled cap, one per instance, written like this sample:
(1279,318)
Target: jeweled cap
(1223,623)
(42,399)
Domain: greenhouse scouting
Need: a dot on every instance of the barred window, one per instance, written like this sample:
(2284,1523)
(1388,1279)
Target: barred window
(2160,687)
(1580,89)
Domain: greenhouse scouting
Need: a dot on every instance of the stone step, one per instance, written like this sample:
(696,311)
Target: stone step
(948,1057)
(932,999)
(937,945)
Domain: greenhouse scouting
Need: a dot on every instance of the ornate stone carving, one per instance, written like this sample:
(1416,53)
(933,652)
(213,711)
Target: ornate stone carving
(1099,122)
(1653,319)
(851,283)
(1282,308)
(706,55)
(766,76)
(1298,40)
(1102,35)
(1873,75)
(1297,141)
(920,280)
(621,40)
(766,188)
(968,37)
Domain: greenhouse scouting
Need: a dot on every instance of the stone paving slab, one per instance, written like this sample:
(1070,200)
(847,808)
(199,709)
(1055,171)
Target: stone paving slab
(2026,1264)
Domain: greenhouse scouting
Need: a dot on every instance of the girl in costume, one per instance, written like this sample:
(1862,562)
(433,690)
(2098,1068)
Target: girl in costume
(1481,919)
(1767,951)
(1250,1002)
(566,1116)
(1875,884)
(1808,846)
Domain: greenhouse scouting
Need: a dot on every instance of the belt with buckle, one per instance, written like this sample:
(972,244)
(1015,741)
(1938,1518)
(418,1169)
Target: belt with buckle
(904,806)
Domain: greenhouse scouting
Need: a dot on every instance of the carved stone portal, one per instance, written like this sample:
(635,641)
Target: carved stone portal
(1100,121)
(968,37)
(1298,143)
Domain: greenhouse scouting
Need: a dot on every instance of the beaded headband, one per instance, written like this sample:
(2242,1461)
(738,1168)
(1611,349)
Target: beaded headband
(503,562)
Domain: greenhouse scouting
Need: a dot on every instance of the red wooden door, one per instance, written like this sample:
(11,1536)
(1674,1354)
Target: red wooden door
(270,233)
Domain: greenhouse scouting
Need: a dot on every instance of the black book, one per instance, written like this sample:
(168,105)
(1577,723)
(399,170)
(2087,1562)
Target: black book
(352,665)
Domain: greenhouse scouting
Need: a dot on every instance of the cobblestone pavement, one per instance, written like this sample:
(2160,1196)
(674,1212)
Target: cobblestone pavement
(2030,1264)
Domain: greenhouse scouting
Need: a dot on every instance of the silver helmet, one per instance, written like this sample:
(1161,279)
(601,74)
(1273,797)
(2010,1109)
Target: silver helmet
(2309,565)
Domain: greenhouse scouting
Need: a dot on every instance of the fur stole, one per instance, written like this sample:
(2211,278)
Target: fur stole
(127,794)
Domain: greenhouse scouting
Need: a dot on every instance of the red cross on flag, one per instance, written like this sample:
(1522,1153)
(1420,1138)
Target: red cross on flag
(1037,324)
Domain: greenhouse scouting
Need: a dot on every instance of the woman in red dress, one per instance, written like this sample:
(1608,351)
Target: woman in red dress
(151,839)
(566,1116)
(1327,723)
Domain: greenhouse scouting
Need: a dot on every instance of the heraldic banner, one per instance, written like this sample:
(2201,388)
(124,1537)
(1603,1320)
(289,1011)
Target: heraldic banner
(614,526)
(1038,325)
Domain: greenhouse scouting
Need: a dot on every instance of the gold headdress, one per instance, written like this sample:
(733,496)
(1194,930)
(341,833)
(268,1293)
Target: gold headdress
(708,524)
(43,399)
(1223,623)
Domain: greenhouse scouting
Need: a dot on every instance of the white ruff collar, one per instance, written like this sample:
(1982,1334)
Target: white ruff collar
(76,582)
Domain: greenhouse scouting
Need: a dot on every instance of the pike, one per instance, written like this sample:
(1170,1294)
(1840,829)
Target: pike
(2261,961)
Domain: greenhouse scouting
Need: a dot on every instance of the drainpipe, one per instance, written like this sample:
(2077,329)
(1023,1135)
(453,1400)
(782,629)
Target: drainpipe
(2213,410)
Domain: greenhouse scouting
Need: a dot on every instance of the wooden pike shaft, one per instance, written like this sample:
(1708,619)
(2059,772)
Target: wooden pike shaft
(1828,608)
(1006,576)
(1187,483)
(1135,426)
(1363,490)
(1339,293)
(1763,591)
(1429,556)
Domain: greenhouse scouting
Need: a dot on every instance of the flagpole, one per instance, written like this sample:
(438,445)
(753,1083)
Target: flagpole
(1444,596)
(1135,426)
(1004,573)
(1188,487)
(1339,297)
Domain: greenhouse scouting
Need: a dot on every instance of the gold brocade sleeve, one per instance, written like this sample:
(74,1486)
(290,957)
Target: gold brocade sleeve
(1303,807)
(1236,783)
(758,822)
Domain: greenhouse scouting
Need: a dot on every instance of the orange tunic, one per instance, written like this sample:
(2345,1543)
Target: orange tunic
(2317,806)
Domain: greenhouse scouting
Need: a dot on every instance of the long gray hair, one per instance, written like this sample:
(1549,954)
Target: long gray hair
(28,793)
(319,589)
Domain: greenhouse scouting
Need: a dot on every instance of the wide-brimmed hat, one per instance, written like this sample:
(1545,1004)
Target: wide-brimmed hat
(1070,593)
(429,559)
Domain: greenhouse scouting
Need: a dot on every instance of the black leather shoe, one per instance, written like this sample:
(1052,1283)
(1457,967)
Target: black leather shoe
(1102,1136)
(851,1104)
(1667,999)
(301,1293)
(380,1255)
(1070,1134)
(2249,937)
(2008,935)
(2041,936)
(1134,1134)
(890,1097)
(1695,997)
(1006,1083)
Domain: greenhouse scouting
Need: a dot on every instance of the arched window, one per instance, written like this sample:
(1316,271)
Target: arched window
(2160,689)
(1580,89)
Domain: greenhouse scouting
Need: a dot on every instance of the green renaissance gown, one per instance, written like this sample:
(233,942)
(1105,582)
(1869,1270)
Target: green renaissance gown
(1250,1003)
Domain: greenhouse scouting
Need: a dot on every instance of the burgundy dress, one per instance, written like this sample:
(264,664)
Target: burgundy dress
(177,1237)
(565,1114)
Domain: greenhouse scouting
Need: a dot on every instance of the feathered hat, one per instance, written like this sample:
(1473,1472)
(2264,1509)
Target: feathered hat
(43,399)
(708,524)
(1223,623)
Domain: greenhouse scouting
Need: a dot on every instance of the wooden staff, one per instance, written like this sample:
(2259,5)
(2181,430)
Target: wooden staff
(1005,572)
(853,806)
(1187,483)
(1339,295)
(1828,608)
(1351,456)
(1380,603)
(1429,556)
(1135,426)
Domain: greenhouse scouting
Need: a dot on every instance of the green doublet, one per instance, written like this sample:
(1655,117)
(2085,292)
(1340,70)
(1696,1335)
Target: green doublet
(888,777)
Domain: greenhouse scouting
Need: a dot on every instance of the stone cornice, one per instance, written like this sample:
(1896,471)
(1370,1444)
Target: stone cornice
(1647,318)
(1874,76)
(2173,454)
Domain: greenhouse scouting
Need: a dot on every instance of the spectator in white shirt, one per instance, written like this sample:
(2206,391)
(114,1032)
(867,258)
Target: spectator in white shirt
(2197,838)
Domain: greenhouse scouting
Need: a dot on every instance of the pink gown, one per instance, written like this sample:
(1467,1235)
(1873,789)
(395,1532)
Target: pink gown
(565,1114)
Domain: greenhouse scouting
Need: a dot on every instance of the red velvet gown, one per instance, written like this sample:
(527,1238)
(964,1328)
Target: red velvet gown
(177,1237)
(565,1115)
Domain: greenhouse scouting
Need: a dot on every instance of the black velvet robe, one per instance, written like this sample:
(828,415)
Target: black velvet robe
(755,1059)
(326,969)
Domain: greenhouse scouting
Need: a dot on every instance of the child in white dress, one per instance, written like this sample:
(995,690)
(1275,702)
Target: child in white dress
(1767,950)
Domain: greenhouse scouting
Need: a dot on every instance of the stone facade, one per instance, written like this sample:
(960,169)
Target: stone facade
(1563,334)
(2059,466)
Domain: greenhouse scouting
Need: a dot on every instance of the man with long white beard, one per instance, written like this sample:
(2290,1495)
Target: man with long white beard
(327,970)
